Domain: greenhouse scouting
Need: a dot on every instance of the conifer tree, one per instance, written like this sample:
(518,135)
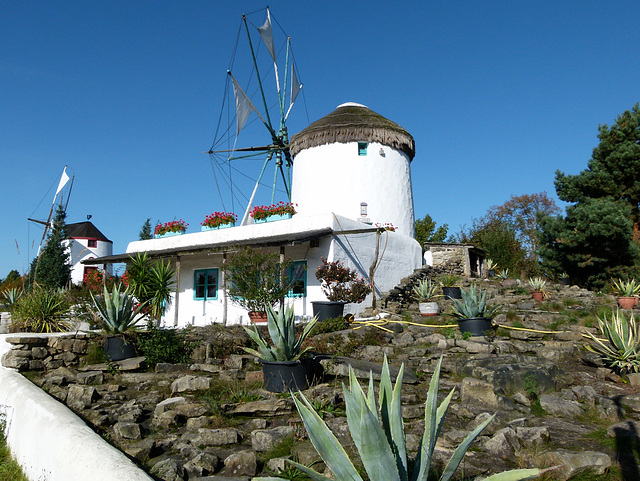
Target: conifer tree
(53,267)
(145,231)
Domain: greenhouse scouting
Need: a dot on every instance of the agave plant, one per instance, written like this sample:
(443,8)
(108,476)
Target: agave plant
(11,296)
(503,274)
(627,288)
(491,265)
(473,304)
(281,327)
(380,439)
(425,290)
(537,283)
(118,311)
(621,347)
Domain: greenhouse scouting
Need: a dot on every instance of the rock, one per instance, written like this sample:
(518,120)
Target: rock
(266,439)
(242,463)
(573,463)
(127,430)
(141,449)
(190,383)
(267,407)
(532,437)
(168,404)
(213,437)
(339,366)
(131,364)
(90,377)
(80,397)
(164,367)
(169,470)
(631,403)
(192,410)
(202,464)
(503,444)
(474,391)
(559,407)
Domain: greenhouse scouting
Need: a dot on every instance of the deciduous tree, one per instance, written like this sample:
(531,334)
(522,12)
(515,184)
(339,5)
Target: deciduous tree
(426,231)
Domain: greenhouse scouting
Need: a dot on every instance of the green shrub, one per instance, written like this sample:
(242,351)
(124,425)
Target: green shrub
(330,325)
(42,309)
(165,345)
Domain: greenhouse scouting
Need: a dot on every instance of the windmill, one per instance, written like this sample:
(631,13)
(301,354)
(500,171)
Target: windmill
(271,106)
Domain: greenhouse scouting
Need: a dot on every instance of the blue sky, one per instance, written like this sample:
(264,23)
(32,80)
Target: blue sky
(497,94)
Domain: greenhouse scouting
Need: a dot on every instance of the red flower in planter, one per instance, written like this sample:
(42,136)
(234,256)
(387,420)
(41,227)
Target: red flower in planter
(173,226)
(219,218)
(260,212)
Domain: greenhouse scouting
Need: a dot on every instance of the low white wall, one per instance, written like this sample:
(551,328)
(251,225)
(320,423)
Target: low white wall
(50,442)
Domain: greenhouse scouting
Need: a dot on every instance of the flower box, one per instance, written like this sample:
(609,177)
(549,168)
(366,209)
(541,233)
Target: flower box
(205,228)
(167,234)
(270,213)
(219,220)
(272,218)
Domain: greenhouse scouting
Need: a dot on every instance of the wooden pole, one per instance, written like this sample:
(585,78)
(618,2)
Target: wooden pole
(175,312)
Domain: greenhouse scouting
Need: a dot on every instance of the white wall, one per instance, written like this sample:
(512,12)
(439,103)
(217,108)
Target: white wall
(50,442)
(334,178)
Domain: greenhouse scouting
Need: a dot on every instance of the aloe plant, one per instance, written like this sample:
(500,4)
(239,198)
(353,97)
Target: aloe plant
(119,312)
(281,326)
(380,439)
(621,347)
(627,288)
(425,290)
(473,304)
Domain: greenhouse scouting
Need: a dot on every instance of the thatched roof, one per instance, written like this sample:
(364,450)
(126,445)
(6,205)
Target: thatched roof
(353,123)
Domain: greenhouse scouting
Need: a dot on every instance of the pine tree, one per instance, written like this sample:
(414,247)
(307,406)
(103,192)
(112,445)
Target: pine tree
(53,267)
(595,240)
(145,231)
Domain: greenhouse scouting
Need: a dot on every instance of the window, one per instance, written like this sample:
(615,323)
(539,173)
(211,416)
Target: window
(362,148)
(205,284)
(298,279)
(92,243)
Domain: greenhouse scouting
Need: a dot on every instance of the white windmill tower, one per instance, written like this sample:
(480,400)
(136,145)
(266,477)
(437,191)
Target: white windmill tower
(355,163)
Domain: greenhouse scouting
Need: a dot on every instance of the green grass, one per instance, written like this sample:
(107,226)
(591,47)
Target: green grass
(9,469)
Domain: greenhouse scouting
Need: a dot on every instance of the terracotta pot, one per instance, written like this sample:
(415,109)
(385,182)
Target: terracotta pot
(538,295)
(627,302)
(258,317)
(429,308)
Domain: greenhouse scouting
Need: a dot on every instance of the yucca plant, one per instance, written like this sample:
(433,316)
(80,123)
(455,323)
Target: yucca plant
(473,304)
(620,348)
(118,311)
(425,290)
(537,283)
(503,274)
(281,326)
(627,288)
(380,438)
(42,309)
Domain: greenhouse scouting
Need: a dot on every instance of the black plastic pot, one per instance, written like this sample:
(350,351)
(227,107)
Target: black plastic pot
(476,326)
(452,292)
(324,310)
(281,376)
(116,348)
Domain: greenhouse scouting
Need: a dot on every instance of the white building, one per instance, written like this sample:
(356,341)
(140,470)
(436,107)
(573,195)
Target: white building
(350,172)
(86,242)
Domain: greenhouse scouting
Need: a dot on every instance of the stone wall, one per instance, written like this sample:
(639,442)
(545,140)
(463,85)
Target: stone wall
(46,352)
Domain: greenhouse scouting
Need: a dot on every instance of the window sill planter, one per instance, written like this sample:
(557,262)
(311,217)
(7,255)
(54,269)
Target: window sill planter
(205,228)
(283,376)
(476,326)
(167,234)
(272,218)
(324,310)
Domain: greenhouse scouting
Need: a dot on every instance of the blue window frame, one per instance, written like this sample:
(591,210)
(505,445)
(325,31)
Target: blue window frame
(362,148)
(297,279)
(205,284)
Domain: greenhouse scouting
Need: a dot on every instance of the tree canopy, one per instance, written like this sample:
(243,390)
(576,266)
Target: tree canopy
(145,230)
(426,231)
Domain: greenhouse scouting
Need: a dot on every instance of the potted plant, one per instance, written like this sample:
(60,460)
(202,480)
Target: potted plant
(174,227)
(425,293)
(472,311)
(273,212)
(537,285)
(218,220)
(449,288)
(627,292)
(281,364)
(491,267)
(340,285)
(119,314)
(378,432)
(564,279)
(257,281)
